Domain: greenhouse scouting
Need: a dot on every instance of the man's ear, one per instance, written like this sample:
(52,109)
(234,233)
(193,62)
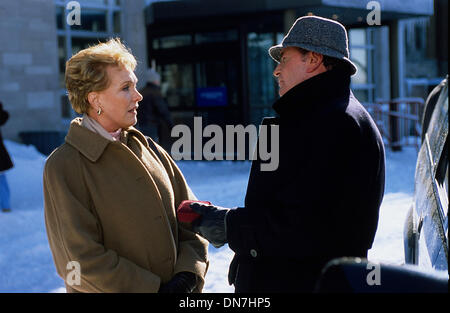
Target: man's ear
(315,61)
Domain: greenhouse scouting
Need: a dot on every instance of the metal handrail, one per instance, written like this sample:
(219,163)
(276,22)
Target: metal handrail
(398,120)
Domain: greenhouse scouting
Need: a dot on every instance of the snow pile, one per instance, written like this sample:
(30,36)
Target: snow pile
(26,263)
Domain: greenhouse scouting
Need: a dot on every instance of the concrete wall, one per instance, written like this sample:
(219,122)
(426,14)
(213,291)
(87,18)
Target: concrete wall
(28,66)
(29,83)
(134,34)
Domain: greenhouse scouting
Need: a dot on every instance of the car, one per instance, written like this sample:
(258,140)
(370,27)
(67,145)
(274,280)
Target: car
(426,225)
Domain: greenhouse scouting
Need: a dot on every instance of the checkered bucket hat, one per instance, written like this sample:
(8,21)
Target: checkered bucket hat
(319,35)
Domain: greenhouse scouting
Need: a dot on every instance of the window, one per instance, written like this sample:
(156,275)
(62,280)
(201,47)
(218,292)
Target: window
(92,20)
(442,181)
(229,35)
(186,70)
(172,42)
(61,59)
(60,17)
(361,53)
(83,43)
(442,173)
(65,107)
(262,84)
(177,84)
(117,25)
(100,20)
(421,70)
(415,39)
(87,2)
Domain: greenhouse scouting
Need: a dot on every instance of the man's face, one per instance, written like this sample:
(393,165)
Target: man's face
(292,69)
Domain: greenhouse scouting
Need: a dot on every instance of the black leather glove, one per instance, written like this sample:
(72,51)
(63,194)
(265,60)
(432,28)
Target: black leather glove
(182,282)
(211,224)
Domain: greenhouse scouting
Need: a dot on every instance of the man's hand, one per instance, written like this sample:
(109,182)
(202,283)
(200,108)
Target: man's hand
(211,224)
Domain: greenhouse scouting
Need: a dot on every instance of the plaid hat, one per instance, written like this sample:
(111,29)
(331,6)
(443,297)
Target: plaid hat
(317,34)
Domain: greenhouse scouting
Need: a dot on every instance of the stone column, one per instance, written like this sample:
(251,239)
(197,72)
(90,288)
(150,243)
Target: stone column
(135,36)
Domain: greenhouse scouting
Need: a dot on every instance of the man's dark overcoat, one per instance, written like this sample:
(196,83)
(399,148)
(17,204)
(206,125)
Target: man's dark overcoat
(323,199)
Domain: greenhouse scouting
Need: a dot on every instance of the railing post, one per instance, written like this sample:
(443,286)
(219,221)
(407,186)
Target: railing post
(401,121)
(394,127)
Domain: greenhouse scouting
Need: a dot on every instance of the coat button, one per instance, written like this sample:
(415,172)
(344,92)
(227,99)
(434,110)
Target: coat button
(253,253)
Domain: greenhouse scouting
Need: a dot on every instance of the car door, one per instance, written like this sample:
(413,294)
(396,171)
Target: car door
(431,190)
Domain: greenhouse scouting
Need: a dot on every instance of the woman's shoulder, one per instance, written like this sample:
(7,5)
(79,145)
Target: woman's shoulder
(61,158)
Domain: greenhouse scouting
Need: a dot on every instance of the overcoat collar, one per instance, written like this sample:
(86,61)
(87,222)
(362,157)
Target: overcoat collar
(92,145)
(314,93)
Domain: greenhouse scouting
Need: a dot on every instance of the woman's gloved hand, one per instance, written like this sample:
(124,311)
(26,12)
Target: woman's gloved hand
(182,282)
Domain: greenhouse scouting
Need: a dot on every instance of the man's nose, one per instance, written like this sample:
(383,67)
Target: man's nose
(276,71)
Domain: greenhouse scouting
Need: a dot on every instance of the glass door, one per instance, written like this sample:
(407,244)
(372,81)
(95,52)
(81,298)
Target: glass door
(262,85)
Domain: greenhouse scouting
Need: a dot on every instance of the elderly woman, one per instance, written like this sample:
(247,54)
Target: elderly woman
(110,193)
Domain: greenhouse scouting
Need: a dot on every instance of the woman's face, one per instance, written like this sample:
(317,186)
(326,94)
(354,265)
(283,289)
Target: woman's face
(119,102)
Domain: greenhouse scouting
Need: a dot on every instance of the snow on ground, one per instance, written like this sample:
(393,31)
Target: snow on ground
(399,189)
(26,263)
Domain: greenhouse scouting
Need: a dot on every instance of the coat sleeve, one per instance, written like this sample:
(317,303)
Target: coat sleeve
(74,234)
(192,249)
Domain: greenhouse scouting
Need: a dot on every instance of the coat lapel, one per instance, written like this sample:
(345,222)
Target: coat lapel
(90,144)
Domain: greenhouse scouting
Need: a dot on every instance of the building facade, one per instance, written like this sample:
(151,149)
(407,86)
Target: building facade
(37,38)
(219,48)
(212,55)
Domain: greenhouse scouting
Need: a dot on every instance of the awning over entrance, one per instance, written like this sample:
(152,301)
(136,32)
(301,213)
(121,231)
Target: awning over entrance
(348,12)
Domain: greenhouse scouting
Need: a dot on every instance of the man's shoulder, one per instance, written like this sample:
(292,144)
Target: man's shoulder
(359,117)
(272,120)
(355,111)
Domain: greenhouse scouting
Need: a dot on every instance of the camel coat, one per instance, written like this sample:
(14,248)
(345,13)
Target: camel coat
(110,206)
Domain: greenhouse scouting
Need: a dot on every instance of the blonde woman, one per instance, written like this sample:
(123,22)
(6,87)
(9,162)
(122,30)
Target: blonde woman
(111,193)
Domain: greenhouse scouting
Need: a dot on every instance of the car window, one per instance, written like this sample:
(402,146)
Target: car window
(442,180)
(438,126)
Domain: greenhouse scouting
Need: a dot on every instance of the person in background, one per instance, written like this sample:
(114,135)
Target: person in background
(154,117)
(323,200)
(5,164)
(110,193)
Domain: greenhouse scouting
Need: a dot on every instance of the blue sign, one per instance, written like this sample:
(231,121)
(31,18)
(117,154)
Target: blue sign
(212,97)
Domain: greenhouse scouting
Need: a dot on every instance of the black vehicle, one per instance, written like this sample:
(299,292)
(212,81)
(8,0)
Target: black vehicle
(426,225)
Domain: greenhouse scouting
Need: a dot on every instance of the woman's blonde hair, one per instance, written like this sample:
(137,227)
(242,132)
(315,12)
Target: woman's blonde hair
(86,70)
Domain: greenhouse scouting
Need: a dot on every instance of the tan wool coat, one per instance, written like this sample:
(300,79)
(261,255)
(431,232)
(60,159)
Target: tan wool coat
(110,208)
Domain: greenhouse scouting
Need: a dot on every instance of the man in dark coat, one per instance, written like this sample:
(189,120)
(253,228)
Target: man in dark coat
(323,200)
(5,164)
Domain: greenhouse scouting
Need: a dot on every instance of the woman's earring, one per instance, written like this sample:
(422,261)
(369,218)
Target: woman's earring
(99,111)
